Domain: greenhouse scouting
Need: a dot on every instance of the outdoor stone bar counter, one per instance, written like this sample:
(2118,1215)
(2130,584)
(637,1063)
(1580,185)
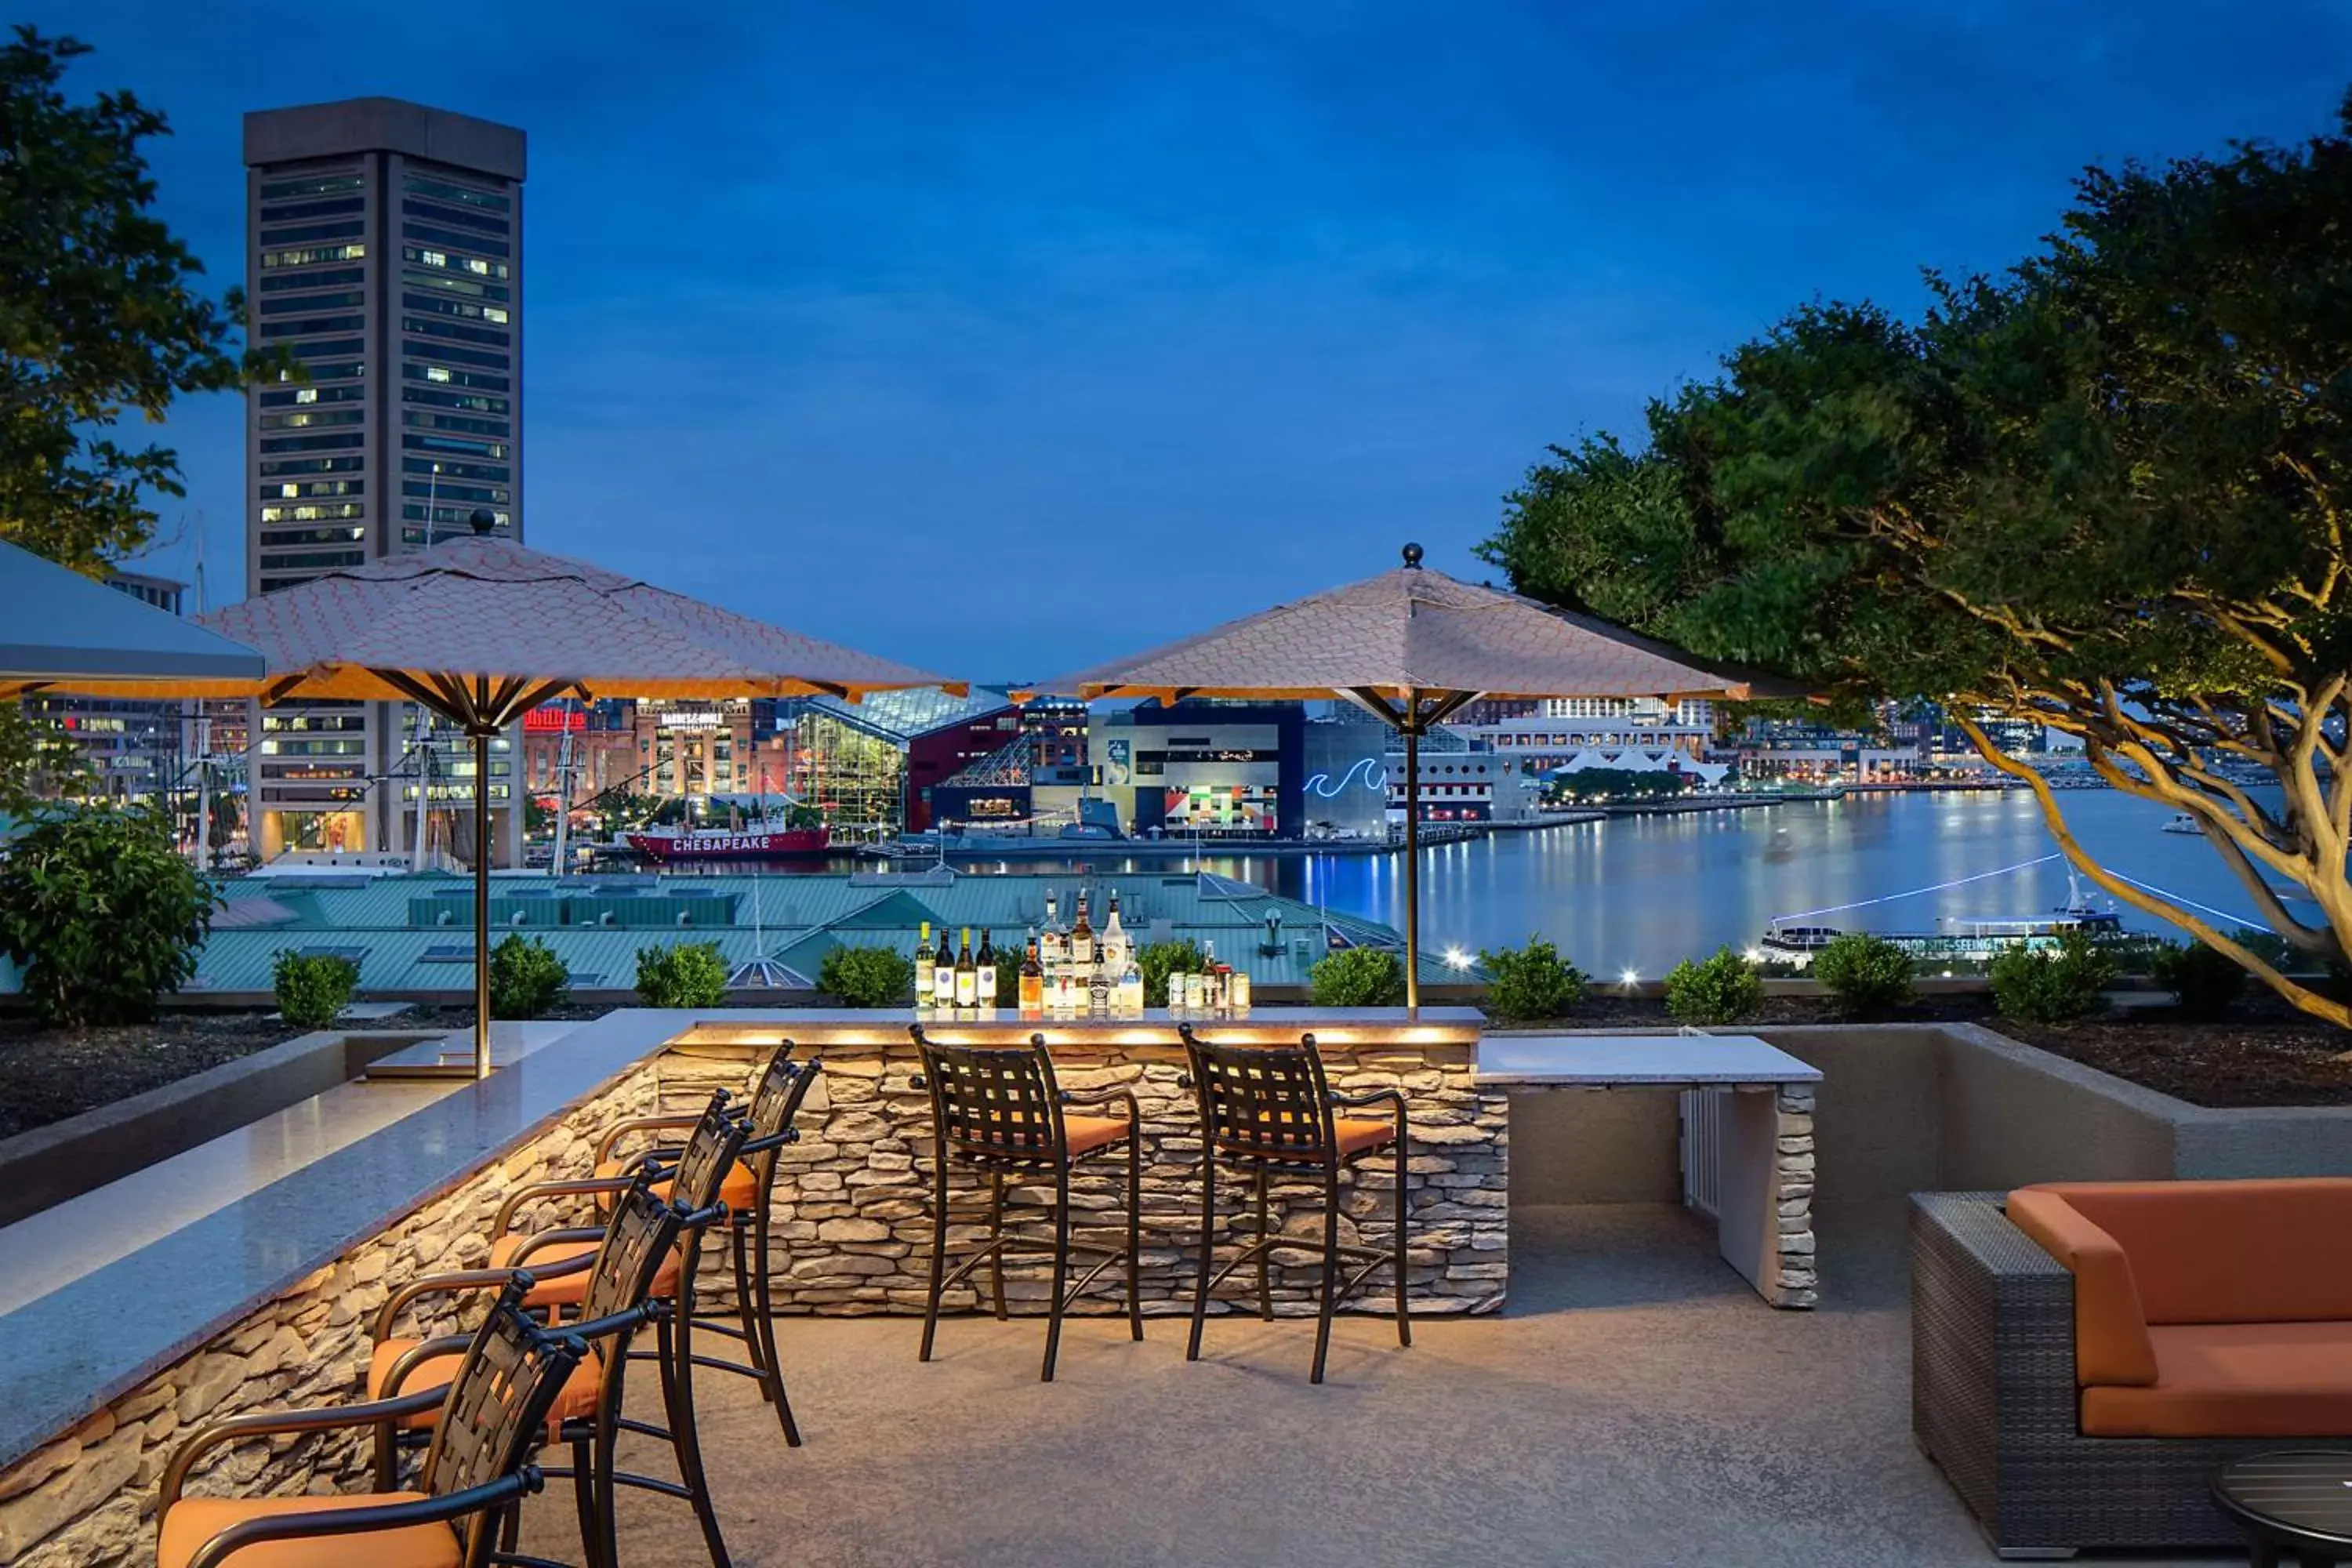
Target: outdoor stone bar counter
(265,1302)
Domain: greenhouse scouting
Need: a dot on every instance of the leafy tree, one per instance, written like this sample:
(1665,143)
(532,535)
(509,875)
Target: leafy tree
(100,316)
(873,976)
(100,912)
(2104,491)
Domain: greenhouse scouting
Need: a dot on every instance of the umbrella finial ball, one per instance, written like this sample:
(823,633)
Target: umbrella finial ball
(482,519)
(1412,556)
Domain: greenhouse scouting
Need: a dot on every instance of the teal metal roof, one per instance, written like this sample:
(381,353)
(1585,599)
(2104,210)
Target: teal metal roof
(392,925)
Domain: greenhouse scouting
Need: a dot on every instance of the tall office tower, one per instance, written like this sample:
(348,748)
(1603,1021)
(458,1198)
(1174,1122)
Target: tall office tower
(384,249)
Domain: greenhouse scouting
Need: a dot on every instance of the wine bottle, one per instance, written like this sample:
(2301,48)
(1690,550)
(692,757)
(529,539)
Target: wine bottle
(943,975)
(985,981)
(1033,978)
(926,963)
(1210,1000)
(967,974)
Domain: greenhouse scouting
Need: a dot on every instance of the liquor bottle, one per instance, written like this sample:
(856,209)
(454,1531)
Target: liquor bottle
(967,974)
(1082,940)
(926,963)
(1210,999)
(1130,1000)
(985,981)
(1099,991)
(1033,978)
(1114,939)
(1224,988)
(1052,946)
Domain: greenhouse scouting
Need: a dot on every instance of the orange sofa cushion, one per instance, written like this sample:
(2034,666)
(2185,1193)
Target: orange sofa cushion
(2234,1380)
(2227,1252)
(2111,1338)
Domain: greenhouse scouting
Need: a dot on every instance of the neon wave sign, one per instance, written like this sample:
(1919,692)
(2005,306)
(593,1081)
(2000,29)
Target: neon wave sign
(1376,777)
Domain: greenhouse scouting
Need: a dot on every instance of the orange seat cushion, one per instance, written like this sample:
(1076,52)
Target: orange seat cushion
(1359,1137)
(193,1520)
(739,1189)
(1088,1133)
(567,1289)
(2234,1380)
(577,1399)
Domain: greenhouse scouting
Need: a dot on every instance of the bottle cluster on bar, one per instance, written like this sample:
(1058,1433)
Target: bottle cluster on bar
(1072,971)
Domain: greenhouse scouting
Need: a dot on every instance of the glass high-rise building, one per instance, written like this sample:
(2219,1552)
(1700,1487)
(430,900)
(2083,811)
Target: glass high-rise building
(384,249)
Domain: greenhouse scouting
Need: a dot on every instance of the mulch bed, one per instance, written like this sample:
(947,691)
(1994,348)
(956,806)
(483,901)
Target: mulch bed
(48,1075)
(2262,1053)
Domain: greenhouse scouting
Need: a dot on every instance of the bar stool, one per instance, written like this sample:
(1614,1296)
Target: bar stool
(476,1475)
(693,1185)
(748,1192)
(999,1109)
(1269,1110)
(616,1301)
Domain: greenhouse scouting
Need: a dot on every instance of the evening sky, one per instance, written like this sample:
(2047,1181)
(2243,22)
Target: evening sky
(1008,338)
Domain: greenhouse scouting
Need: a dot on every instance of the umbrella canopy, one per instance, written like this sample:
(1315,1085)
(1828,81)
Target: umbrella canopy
(481,630)
(61,628)
(1410,631)
(1413,646)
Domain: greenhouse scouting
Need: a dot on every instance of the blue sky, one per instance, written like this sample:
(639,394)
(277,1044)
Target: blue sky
(1006,338)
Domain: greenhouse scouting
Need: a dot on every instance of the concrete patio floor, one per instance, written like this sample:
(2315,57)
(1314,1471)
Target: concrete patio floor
(1637,1404)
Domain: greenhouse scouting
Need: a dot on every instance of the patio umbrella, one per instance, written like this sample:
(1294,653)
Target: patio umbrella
(481,630)
(1412,647)
(61,629)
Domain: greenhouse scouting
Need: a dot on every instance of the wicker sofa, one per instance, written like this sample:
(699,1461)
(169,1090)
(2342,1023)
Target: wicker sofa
(1999,1398)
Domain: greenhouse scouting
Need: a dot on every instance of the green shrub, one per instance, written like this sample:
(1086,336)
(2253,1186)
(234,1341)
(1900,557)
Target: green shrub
(1358,977)
(1160,960)
(526,977)
(1867,977)
(312,987)
(1718,990)
(1532,982)
(868,976)
(101,913)
(682,974)
(2271,948)
(2203,980)
(2052,983)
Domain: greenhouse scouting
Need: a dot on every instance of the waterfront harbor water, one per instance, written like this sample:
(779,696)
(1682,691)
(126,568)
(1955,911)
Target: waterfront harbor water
(1642,893)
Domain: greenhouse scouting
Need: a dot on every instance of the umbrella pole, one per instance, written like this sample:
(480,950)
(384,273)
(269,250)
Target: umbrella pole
(1412,858)
(481,903)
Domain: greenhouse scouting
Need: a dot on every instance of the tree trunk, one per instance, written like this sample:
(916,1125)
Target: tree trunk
(2302,997)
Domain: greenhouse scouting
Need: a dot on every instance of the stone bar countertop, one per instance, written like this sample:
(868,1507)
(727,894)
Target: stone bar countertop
(1600,1061)
(66,1354)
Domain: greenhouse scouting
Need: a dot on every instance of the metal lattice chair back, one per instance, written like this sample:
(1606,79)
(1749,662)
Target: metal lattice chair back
(995,1103)
(1264,1102)
(498,1405)
(783,1084)
(709,1153)
(637,1239)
